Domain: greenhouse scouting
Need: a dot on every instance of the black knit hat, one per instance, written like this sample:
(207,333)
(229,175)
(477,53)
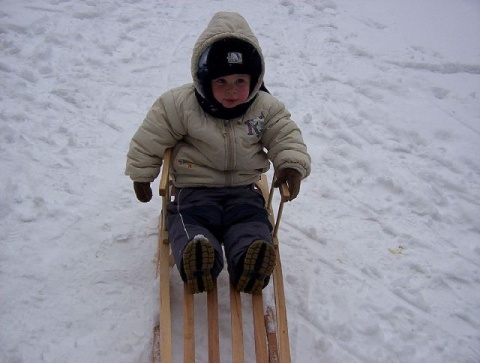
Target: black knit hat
(228,56)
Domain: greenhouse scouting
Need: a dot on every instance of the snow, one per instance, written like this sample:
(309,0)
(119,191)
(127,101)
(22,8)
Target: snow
(380,250)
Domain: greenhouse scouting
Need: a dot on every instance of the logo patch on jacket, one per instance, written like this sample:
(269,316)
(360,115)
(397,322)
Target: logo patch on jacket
(256,125)
(185,163)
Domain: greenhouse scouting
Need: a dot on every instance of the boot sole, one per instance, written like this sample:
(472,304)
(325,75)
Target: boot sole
(198,260)
(258,266)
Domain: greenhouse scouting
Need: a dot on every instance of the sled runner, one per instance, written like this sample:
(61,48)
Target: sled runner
(270,329)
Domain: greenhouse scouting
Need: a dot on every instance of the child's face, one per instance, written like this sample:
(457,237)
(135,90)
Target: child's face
(232,90)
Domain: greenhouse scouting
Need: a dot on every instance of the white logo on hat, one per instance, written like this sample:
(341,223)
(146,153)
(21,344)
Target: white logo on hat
(234,58)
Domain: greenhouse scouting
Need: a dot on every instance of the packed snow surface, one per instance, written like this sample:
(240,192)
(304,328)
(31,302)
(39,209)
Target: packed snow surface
(381,250)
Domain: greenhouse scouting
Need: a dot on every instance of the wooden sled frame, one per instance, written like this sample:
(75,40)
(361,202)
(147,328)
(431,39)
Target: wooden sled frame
(270,324)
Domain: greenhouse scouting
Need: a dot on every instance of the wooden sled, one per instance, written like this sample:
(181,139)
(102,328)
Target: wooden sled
(269,319)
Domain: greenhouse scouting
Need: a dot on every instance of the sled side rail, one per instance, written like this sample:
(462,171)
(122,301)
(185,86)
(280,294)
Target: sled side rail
(280,321)
(164,178)
(162,335)
(284,353)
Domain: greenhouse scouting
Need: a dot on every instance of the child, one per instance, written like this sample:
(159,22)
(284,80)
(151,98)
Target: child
(223,128)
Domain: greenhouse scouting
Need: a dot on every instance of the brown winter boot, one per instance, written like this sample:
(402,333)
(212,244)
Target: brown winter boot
(258,265)
(198,260)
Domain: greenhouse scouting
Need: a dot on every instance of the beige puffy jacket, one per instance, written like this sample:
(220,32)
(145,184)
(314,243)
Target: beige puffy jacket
(209,151)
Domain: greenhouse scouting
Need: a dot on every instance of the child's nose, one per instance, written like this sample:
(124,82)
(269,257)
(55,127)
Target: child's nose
(231,89)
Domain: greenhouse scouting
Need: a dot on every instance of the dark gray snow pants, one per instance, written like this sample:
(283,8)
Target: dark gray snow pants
(234,217)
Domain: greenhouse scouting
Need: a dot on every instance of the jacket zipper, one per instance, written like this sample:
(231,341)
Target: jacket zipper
(229,151)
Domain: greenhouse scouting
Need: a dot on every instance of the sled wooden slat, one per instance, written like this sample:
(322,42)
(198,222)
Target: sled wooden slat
(270,327)
(213,332)
(259,329)
(188,326)
(270,323)
(237,325)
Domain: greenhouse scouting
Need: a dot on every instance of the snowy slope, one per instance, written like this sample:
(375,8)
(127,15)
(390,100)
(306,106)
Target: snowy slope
(381,249)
